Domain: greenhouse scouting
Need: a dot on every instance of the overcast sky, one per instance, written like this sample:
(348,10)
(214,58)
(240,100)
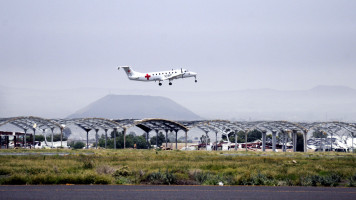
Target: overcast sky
(287,45)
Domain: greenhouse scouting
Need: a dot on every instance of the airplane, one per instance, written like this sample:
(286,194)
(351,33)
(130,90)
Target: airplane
(158,76)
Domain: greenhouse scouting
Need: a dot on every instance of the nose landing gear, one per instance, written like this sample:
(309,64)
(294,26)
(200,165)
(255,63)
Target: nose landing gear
(160,84)
(170,83)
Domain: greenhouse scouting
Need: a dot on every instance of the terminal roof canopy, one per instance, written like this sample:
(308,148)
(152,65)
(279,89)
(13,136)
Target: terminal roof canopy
(148,125)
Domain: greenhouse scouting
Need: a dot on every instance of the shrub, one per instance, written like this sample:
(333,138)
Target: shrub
(14,180)
(315,180)
(122,171)
(258,179)
(77,145)
(159,178)
(105,169)
(352,181)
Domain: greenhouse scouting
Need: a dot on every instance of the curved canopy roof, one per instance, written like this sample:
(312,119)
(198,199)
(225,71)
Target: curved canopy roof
(31,122)
(148,125)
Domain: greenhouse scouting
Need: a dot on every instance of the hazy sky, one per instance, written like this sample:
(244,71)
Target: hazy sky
(230,44)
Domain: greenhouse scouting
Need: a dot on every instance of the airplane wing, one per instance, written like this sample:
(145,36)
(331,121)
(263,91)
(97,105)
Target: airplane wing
(173,76)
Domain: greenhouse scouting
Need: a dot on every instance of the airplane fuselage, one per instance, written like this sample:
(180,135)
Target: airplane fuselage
(169,75)
(161,75)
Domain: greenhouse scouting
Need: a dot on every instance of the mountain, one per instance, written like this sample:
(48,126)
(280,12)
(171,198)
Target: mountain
(321,103)
(135,107)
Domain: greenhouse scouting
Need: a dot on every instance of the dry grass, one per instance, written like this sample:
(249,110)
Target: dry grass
(178,167)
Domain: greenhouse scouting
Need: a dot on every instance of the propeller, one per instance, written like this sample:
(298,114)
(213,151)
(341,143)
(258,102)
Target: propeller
(181,71)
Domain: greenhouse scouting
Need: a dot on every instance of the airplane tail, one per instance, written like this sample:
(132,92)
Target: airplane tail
(128,70)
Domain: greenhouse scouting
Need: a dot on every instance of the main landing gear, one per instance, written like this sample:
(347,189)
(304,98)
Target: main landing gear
(160,84)
(195,79)
(170,83)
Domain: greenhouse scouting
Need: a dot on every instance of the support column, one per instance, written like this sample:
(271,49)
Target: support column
(352,141)
(124,138)
(96,138)
(264,140)
(25,144)
(294,136)
(15,141)
(305,142)
(115,131)
(236,140)
(62,137)
(34,137)
(186,139)
(106,137)
(274,140)
(87,130)
(176,139)
(44,135)
(284,141)
(331,141)
(323,145)
(166,138)
(52,129)
(156,138)
(246,140)
(216,140)
(148,144)
(206,140)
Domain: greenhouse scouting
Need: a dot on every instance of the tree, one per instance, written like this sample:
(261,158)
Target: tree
(39,138)
(204,139)
(140,142)
(77,145)
(161,139)
(254,135)
(131,140)
(319,134)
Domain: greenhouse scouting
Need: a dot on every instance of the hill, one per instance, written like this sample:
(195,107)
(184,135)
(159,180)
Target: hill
(136,107)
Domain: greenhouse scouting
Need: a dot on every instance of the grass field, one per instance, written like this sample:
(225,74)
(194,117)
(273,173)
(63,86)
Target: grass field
(178,167)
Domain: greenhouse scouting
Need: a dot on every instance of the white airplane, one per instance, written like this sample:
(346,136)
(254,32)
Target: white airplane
(158,76)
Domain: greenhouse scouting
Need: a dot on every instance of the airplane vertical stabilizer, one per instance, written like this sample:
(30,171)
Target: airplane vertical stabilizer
(128,70)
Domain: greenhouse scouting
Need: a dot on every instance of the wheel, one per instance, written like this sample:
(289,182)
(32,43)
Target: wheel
(170,83)
(160,84)
(196,80)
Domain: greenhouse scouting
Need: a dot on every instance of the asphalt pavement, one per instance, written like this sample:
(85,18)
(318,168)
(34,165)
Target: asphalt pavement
(172,192)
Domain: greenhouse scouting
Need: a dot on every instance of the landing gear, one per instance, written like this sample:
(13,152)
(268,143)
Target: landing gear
(160,84)
(170,83)
(196,80)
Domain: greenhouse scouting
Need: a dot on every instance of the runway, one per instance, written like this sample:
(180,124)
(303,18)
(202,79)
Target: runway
(172,192)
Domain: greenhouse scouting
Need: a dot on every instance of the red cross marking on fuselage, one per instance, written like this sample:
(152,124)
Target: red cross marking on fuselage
(147,76)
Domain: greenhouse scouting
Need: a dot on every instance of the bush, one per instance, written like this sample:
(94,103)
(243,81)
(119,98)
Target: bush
(77,145)
(122,171)
(105,169)
(159,178)
(14,180)
(258,179)
(315,180)
(352,181)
